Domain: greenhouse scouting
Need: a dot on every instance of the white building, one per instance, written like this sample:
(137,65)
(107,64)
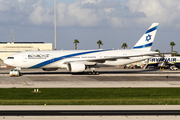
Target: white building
(7,49)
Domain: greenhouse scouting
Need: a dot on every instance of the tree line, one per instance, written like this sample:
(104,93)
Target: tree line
(124,45)
(99,42)
(173,53)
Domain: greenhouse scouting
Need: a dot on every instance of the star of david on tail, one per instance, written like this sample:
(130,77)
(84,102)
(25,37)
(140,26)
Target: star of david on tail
(146,41)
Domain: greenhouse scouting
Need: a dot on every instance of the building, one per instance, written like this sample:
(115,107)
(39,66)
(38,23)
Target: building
(7,49)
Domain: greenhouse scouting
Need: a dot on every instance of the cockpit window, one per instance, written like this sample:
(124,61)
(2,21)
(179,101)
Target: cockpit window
(10,58)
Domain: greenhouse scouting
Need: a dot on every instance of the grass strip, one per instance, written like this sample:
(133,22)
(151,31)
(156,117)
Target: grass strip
(90,96)
(93,102)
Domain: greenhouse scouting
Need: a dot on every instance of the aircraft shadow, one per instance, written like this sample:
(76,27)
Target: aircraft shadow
(84,73)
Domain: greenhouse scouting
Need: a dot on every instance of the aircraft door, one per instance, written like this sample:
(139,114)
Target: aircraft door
(24,58)
(99,56)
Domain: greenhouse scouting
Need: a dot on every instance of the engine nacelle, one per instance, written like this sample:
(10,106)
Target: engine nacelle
(76,67)
(49,69)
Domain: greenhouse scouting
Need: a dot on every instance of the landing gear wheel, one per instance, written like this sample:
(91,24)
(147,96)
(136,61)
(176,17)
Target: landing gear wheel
(93,73)
(20,74)
(89,73)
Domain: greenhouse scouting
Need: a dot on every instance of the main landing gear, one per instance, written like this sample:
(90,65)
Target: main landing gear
(92,72)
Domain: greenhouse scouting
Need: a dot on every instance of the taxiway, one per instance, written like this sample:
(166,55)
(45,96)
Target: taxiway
(108,78)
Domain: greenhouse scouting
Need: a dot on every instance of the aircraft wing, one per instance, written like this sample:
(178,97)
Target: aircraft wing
(102,60)
(169,63)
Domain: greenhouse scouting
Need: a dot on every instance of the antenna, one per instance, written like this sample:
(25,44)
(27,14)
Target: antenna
(12,36)
(54,24)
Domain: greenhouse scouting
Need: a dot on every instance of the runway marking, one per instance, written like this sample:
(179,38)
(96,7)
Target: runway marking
(169,83)
(177,75)
(23,81)
(104,75)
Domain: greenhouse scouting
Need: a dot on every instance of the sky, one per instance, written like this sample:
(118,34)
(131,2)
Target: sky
(114,22)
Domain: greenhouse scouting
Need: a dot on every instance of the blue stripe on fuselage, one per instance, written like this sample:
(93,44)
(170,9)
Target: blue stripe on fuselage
(64,57)
(143,46)
(152,29)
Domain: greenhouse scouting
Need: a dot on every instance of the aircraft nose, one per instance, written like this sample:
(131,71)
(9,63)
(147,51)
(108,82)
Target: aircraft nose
(8,62)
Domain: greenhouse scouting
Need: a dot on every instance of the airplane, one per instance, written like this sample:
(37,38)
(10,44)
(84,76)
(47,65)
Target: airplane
(162,62)
(81,60)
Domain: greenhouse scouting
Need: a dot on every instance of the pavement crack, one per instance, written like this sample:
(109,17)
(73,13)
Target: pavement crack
(23,81)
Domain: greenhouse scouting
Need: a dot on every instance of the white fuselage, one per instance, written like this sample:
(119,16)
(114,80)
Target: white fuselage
(58,59)
(80,60)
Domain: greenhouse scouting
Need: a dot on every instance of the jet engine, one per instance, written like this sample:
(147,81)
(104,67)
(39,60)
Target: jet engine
(49,69)
(76,67)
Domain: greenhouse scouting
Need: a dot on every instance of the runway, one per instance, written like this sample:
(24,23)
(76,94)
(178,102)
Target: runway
(88,112)
(125,117)
(108,78)
(87,107)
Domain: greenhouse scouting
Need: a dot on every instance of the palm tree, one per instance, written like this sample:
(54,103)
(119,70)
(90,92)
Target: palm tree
(157,50)
(99,43)
(76,41)
(124,45)
(172,44)
(176,53)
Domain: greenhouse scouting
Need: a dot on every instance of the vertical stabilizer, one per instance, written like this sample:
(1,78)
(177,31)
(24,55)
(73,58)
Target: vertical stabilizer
(146,41)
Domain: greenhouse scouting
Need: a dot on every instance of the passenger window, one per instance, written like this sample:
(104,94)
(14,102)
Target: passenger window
(10,58)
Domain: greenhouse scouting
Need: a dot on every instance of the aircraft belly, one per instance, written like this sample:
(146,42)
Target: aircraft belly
(23,64)
(118,62)
(52,65)
(56,65)
(122,61)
